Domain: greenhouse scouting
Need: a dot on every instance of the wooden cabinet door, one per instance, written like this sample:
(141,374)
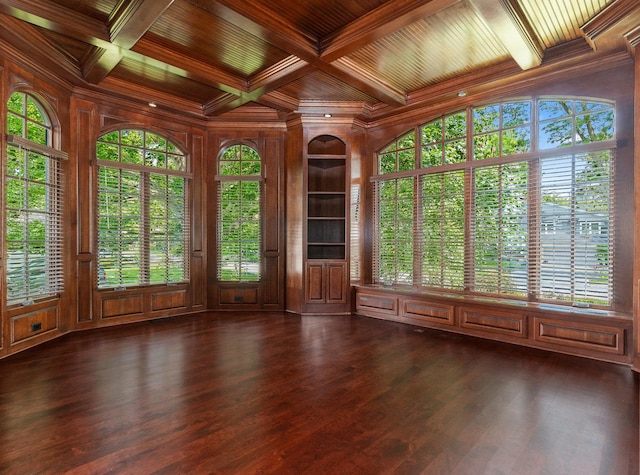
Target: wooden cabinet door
(326,282)
(336,278)
(315,282)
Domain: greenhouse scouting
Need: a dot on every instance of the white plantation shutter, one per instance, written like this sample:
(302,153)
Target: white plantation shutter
(119,229)
(143,213)
(239,233)
(499,230)
(34,207)
(34,186)
(576,232)
(394,216)
(443,230)
(354,234)
(239,223)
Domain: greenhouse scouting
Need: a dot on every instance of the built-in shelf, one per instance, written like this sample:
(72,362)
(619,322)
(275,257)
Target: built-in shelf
(326,199)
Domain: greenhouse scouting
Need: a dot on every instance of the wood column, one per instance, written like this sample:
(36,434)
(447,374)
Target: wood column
(636,234)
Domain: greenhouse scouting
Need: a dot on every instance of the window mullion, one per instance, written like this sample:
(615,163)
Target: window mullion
(535,233)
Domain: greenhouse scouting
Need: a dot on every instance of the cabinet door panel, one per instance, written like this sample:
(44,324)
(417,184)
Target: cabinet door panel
(315,283)
(336,282)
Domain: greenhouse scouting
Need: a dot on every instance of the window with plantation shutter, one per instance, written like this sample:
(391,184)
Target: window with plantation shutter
(33,203)
(499,230)
(514,199)
(576,239)
(394,216)
(442,230)
(354,234)
(239,234)
(143,213)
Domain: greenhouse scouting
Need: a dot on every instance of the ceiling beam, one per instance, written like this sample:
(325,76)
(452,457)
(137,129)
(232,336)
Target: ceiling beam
(264,82)
(633,37)
(273,29)
(121,37)
(52,16)
(99,62)
(133,18)
(39,52)
(507,21)
(279,101)
(127,24)
(382,21)
(219,103)
(348,72)
(293,68)
(281,73)
(262,23)
(149,52)
(620,17)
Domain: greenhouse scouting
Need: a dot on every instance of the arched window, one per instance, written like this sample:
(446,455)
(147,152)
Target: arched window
(239,214)
(143,211)
(512,199)
(33,203)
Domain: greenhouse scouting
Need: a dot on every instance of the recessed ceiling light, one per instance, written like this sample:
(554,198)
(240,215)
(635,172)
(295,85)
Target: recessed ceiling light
(152,104)
(328,115)
(462,93)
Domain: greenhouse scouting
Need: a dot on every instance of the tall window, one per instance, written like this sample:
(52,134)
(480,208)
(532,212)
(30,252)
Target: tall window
(512,199)
(354,234)
(239,214)
(143,212)
(33,200)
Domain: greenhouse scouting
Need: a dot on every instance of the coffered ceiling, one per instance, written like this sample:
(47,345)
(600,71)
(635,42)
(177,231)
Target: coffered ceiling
(211,57)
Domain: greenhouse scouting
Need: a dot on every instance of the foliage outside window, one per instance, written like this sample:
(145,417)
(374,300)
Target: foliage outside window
(143,212)
(33,200)
(529,214)
(239,214)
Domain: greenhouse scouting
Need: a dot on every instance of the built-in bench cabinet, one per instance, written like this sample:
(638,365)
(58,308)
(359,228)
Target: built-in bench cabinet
(579,331)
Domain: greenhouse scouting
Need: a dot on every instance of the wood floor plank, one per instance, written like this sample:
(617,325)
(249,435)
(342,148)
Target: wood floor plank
(243,393)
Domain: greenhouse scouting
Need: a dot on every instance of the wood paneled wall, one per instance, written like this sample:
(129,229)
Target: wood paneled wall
(636,226)
(268,294)
(83,115)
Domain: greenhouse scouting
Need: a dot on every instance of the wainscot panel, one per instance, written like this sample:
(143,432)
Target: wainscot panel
(498,322)
(232,295)
(124,305)
(33,323)
(430,312)
(580,335)
(169,300)
(373,304)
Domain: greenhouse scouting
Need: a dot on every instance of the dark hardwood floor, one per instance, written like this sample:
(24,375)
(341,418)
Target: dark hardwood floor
(277,393)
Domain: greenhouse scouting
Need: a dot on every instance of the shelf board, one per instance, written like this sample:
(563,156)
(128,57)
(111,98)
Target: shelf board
(318,156)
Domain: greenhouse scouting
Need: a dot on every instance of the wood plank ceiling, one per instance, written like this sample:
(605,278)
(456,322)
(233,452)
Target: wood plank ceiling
(211,57)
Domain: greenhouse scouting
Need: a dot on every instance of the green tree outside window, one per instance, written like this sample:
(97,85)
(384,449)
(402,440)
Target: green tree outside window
(492,215)
(33,203)
(239,214)
(143,214)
